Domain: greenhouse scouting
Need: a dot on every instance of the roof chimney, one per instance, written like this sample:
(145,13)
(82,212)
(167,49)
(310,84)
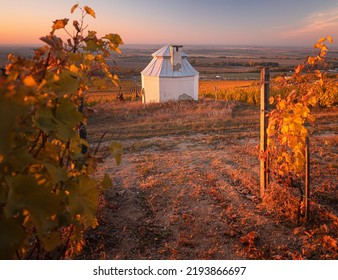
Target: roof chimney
(176,57)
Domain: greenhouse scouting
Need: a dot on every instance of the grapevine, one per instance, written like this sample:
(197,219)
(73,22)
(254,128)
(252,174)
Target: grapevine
(47,195)
(290,119)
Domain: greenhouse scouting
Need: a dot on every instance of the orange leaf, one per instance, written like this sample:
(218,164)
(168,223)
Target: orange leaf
(330,241)
(311,60)
(329,39)
(60,23)
(321,40)
(89,11)
(74,8)
(29,81)
(317,46)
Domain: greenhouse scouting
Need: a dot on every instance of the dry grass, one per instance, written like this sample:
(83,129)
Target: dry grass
(188,187)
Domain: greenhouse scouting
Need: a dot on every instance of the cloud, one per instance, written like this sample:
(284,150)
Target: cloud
(318,22)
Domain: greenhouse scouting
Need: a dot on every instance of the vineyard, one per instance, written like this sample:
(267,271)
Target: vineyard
(188,186)
(89,172)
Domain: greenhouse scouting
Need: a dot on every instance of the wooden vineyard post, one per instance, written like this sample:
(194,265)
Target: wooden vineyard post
(264,98)
(307,179)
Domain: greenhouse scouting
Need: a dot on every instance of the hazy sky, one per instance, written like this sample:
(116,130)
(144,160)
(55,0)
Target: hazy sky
(230,22)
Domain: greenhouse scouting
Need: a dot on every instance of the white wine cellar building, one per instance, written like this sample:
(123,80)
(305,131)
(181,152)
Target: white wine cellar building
(169,76)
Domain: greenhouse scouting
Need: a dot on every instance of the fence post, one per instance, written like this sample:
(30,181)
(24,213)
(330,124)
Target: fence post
(307,179)
(265,80)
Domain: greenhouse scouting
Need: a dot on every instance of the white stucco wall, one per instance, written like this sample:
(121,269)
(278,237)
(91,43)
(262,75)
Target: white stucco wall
(160,89)
(171,88)
(151,89)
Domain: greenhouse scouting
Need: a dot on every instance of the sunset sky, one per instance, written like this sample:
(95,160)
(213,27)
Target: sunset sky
(226,22)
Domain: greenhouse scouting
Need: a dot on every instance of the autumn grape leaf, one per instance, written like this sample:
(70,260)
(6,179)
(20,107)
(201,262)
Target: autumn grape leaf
(83,200)
(106,182)
(90,46)
(12,234)
(20,158)
(51,240)
(89,11)
(29,81)
(66,84)
(74,8)
(116,149)
(44,120)
(60,23)
(25,194)
(311,60)
(321,40)
(57,173)
(67,117)
(10,110)
(52,41)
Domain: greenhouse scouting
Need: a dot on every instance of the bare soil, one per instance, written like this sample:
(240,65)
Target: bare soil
(188,186)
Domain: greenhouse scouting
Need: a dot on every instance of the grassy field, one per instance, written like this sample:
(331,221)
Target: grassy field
(188,186)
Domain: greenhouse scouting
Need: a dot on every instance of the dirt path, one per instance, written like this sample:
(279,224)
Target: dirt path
(188,196)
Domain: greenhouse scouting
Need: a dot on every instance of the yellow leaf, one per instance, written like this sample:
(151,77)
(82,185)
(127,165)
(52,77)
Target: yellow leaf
(29,82)
(313,100)
(89,11)
(271,100)
(74,8)
(329,39)
(282,105)
(90,57)
(73,69)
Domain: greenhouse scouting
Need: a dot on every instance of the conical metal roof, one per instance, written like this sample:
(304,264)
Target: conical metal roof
(160,65)
(165,52)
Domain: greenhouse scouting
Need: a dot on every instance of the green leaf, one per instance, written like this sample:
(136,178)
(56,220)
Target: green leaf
(65,131)
(51,240)
(20,159)
(66,85)
(12,234)
(44,120)
(10,110)
(26,194)
(91,46)
(57,173)
(83,200)
(116,149)
(67,117)
(114,41)
(106,182)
